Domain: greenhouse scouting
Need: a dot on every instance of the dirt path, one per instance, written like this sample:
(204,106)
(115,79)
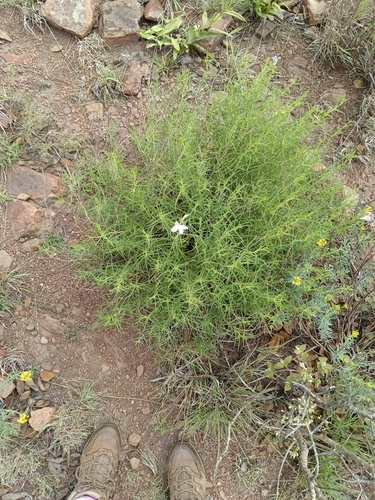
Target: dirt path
(118,368)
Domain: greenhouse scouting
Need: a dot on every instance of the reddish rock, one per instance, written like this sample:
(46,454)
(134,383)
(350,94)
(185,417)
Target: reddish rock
(23,197)
(14,58)
(74,16)
(32,245)
(49,326)
(316,11)
(132,83)
(223,24)
(300,62)
(40,187)
(153,10)
(119,21)
(265,28)
(25,220)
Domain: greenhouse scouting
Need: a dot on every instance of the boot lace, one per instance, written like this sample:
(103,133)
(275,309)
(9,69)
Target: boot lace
(186,487)
(97,472)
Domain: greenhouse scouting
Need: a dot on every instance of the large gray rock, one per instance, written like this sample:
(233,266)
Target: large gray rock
(119,21)
(40,187)
(74,16)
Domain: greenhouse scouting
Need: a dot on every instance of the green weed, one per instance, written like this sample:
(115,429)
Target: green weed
(51,244)
(347,38)
(74,420)
(107,84)
(23,463)
(8,428)
(4,198)
(264,8)
(174,34)
(71,335)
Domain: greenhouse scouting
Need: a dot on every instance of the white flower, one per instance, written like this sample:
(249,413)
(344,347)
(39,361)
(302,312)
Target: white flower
(368,217)
(180,227)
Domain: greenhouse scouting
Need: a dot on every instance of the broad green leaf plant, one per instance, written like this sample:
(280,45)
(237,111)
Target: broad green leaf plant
(171,33)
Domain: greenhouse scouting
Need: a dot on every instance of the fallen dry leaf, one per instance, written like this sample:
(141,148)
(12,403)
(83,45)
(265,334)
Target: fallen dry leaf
(42,417)
(24,396)
(41,385)
(46,375)
(55,48)
(20,386)
(279,338)
(41,403)
(30,433)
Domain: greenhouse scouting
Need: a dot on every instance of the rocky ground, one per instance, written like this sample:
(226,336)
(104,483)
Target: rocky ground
(51,320)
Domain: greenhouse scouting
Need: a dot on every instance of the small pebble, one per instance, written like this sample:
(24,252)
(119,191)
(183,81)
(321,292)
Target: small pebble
(134,463)
(134,439)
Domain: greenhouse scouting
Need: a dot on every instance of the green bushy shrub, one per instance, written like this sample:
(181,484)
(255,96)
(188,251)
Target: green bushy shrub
(238,164)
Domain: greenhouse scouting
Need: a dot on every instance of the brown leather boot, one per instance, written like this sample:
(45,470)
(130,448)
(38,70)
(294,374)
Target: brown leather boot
(99,461)
(186,477)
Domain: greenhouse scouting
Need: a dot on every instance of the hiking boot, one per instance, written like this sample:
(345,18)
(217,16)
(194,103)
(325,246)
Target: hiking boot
(99,461)
(186,477)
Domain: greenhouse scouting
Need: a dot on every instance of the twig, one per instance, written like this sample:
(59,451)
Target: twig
(358,482)
(281,468)
(303,457)
(338,404)
(230,425)
(341,450)
(316,469)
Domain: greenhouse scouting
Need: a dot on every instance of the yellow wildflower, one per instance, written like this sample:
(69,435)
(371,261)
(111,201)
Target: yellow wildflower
(336,307)
(25,376)
(367,209)
(329,297)
(363,227)
(369,384)
(23,418)
(355,334)
(296,281)
(322,242)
